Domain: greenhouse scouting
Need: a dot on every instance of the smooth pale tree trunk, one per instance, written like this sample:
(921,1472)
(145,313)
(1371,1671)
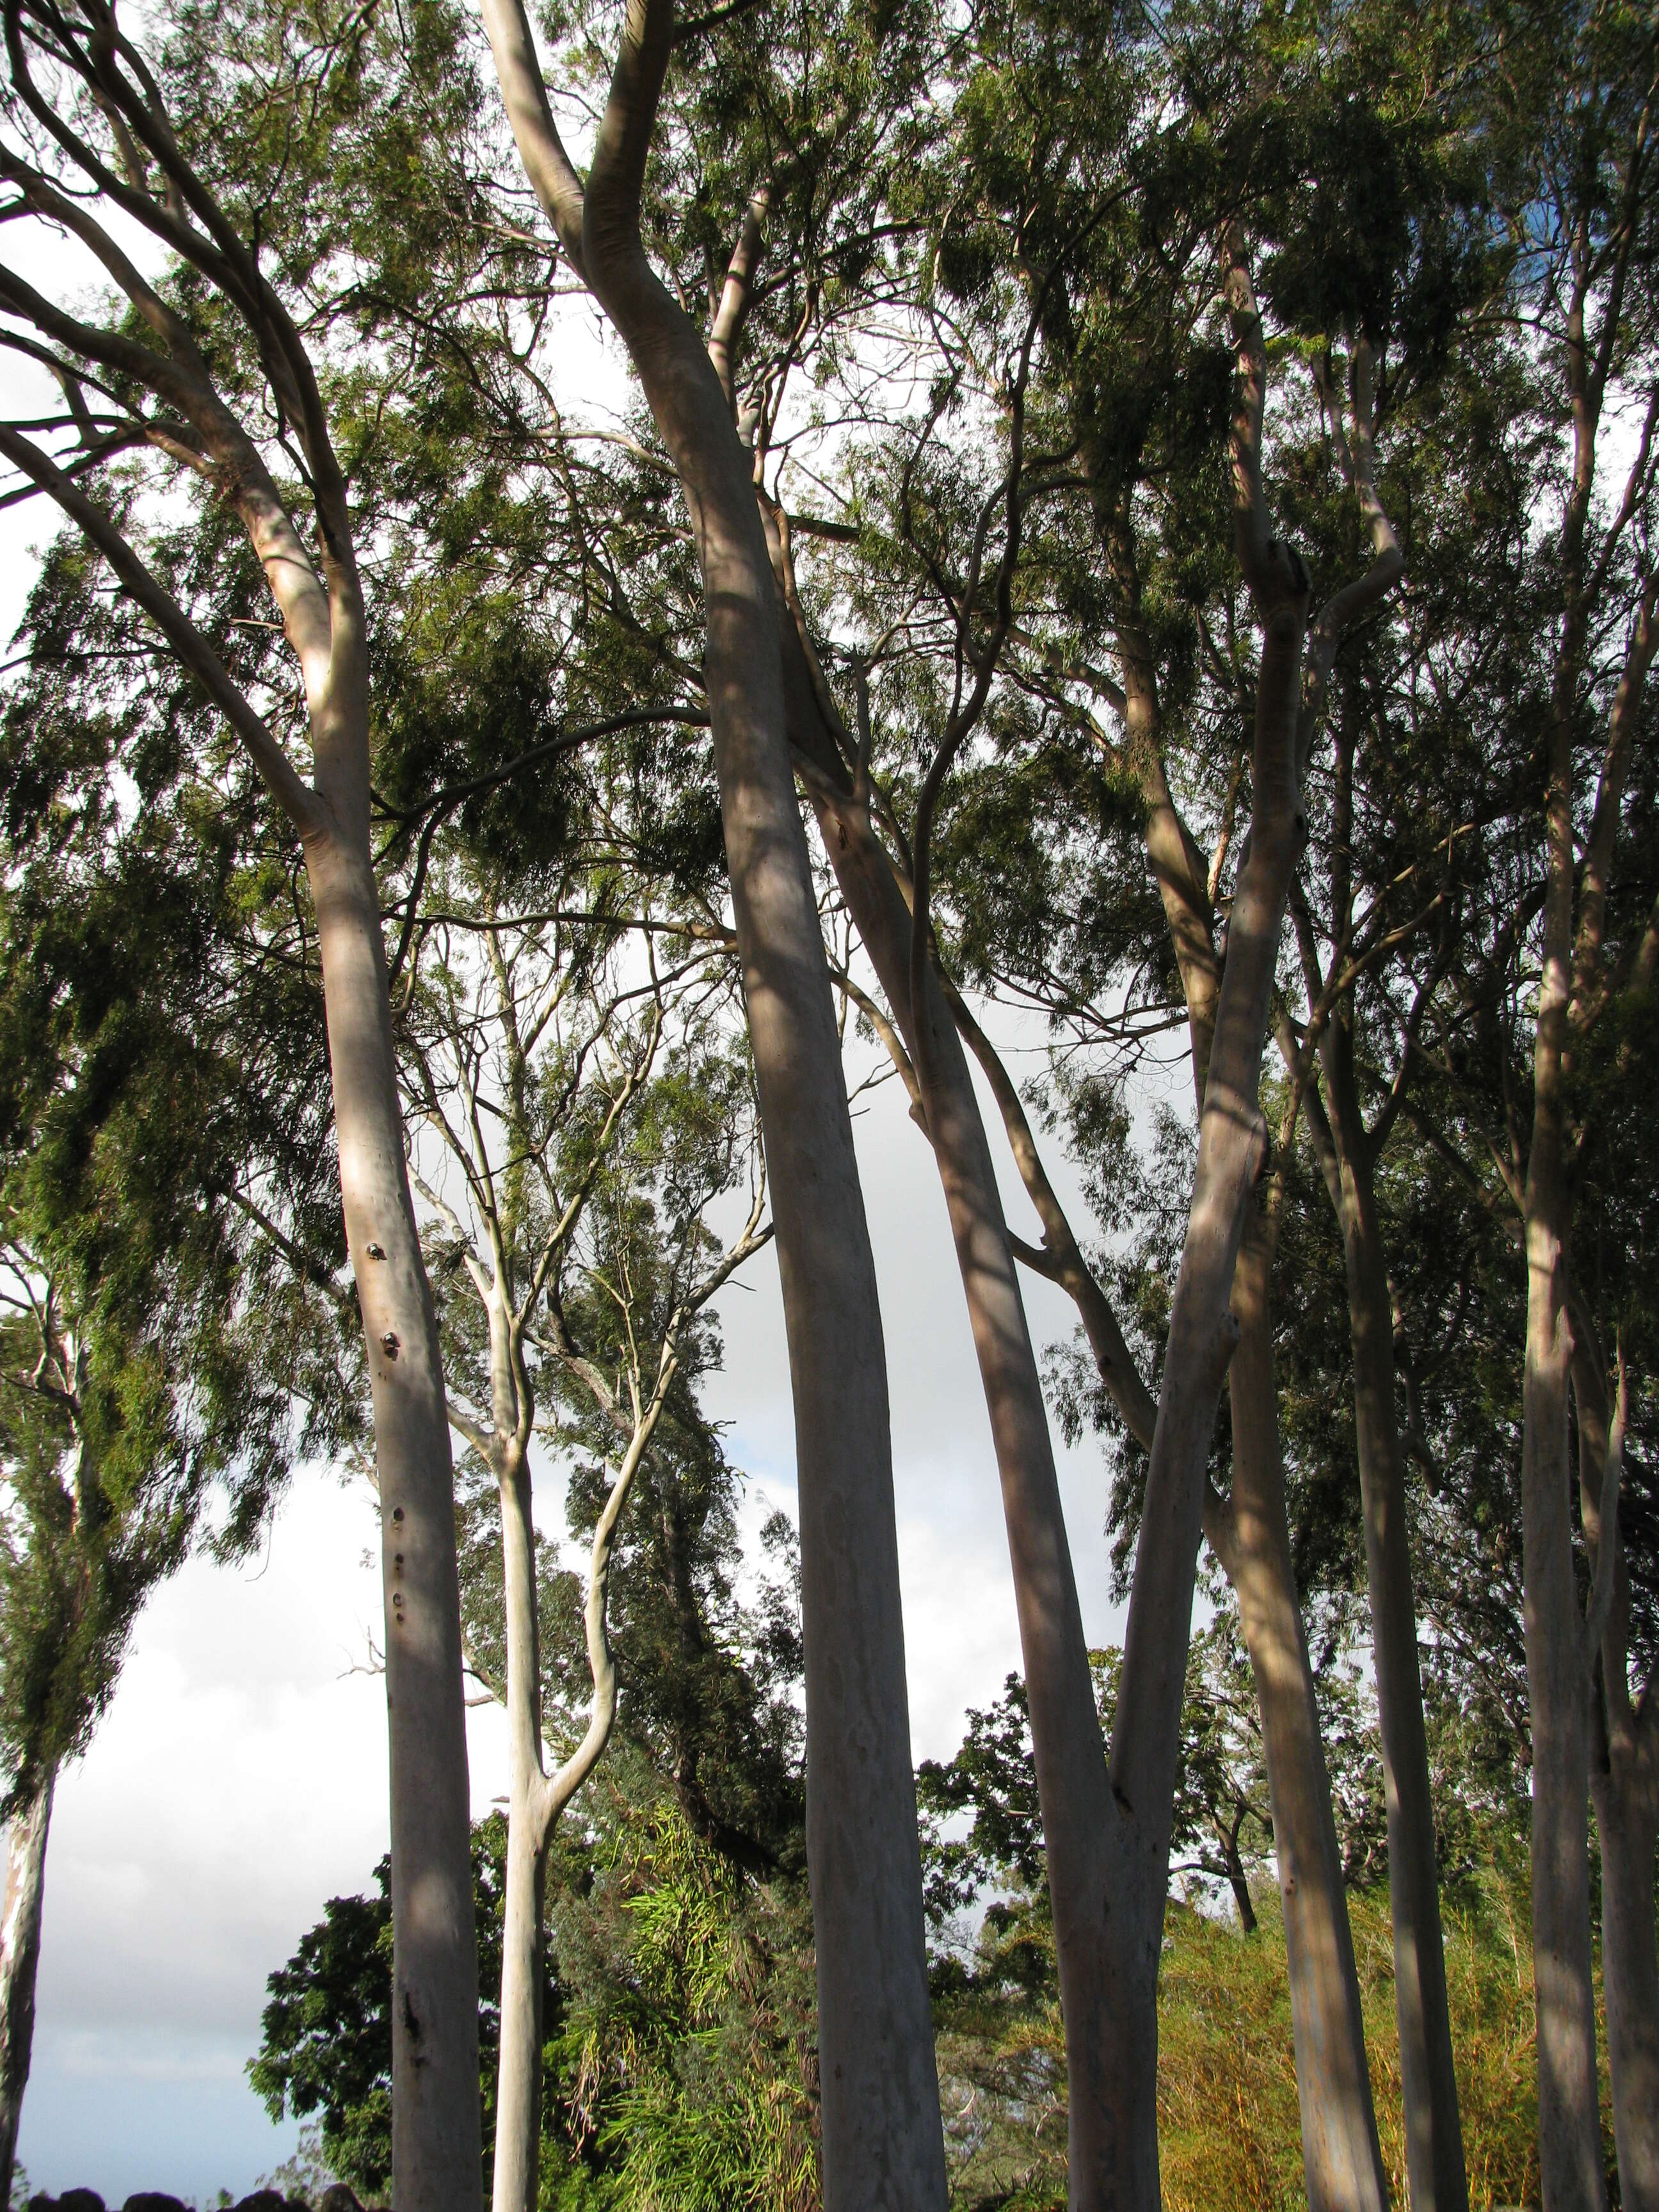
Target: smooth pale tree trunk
(1342,2157)
(1434,2133)
(1569,2119)
(1146,1737)
(1069,1750)
(883,2142)
(314,582)
(1249,1531)
(20,1958)
(535,1799)
(517,2174)
(436,2155)
(1344,2160)
(1558,1677)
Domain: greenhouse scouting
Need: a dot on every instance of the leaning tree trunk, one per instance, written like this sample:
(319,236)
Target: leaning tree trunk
(20,1957)
(1342,2158)
(1434,2130)
(435,2147)
(1343,2161)
(883,2141)
(1146,1735)
(1625,1791)
(1069,1751)
(519,2081)
(1249,1533)
(1557,1679)
(1569,2116)
(883,2144)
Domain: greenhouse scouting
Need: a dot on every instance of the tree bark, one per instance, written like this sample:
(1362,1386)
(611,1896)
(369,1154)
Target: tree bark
(1342,2157)
(314,582)
(883,2140)
(1145,1739)
(1557,1681)
(1434,2132)
(1239,1885)
(19,1958)
(1066,1735)
(436,2151)
(517,2174)
(1344,2164)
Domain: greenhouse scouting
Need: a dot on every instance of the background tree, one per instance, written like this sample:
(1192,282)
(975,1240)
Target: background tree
(206,373)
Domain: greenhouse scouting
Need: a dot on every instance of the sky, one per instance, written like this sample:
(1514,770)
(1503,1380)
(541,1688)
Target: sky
(238,1778)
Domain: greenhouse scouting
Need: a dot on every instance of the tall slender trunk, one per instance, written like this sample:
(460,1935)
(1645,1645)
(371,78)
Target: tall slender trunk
(1557,1681)
(883,2141)
(1146,1736)
(1249,1533)
(435,2147)
(1344,2162)
(1625,1791)
(1069,1751)
(1434,2132)
(1341,2156)
(518,2083)
(1569,2119)
(19,1958)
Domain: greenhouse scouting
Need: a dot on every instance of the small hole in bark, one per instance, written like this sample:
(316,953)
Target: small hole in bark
(397,1512)
(389,1344)
(375,1253)
(398,1560)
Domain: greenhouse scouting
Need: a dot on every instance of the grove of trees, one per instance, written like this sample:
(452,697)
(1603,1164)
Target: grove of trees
(612,565)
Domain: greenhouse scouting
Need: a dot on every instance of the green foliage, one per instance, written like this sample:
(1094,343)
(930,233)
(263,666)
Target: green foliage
(1229,2123)
(689,2041)
(326,2041)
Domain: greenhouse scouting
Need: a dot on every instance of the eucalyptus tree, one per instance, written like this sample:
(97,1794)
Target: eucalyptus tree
(197,367)
(1058,285)
(1583,204)
(161,1360)
(1104,2084)
(587,1124)
(882,2143)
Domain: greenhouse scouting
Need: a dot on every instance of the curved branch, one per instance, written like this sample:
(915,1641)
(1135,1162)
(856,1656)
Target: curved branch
(530,116)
